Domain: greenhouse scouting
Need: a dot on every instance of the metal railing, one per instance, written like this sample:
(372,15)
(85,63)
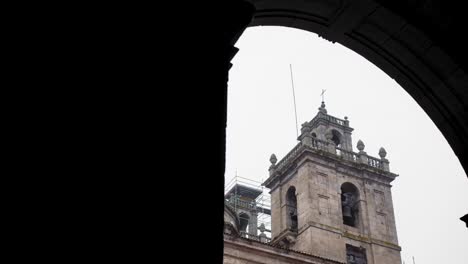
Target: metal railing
(236,202)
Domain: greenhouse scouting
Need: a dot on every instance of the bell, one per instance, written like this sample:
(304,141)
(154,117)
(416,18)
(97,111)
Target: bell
(347,211)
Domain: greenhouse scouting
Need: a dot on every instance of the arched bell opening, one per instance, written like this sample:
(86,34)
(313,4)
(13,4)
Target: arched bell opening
(350,204)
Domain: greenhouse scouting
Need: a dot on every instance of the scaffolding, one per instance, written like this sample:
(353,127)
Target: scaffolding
(246,194)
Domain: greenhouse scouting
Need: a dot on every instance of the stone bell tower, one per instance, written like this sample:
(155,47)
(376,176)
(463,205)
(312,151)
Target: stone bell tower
(333,202)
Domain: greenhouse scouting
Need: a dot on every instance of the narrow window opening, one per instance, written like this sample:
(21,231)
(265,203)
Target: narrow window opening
(336,138)
(244,222)
(355,255)
(349,204)
(291,207)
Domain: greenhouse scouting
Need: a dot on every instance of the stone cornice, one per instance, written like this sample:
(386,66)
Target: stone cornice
(285,233)
(303,153)
(348,234)
(275,250)
(371,240)
(320,226)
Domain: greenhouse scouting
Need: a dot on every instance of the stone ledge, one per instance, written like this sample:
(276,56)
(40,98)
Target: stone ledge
(277,250)
(371,241)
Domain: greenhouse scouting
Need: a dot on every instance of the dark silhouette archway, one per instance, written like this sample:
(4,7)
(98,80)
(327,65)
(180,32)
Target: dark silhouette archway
(405,52)
(419,43)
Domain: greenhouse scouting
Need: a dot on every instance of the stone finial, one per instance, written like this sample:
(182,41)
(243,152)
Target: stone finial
(360,145)
(322,108)
(382,153)
(273,159)
(346,121)
(305,128)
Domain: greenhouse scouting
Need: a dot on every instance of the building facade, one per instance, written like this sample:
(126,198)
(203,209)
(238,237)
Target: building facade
(328,203)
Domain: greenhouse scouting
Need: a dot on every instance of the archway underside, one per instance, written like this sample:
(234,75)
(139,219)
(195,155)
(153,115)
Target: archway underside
(436,82)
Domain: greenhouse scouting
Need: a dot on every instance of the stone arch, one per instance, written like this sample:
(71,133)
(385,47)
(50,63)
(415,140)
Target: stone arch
(291,208)
(337,137)
(350,197)
(230,217)
(244,220)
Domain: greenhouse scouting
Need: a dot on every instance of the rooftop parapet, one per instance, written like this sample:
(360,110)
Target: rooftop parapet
(318,146)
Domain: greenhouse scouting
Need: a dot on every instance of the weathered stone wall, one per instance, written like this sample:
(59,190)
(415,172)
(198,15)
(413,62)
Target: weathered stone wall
(243,251)
(276,223)
(321,231)
(317,240)
(381,214)
(383,254)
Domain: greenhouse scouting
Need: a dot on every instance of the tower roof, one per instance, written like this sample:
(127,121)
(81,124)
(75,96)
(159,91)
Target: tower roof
(323,117)
(330,138)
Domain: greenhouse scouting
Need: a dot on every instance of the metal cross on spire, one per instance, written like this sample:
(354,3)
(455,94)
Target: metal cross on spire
(322,94)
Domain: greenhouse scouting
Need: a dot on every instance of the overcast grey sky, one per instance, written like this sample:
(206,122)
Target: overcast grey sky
(431,184)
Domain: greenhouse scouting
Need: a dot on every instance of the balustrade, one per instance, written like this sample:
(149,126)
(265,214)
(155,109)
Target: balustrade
(373,162)
(322,145)
(331,119)
(319,144)
(347,155)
